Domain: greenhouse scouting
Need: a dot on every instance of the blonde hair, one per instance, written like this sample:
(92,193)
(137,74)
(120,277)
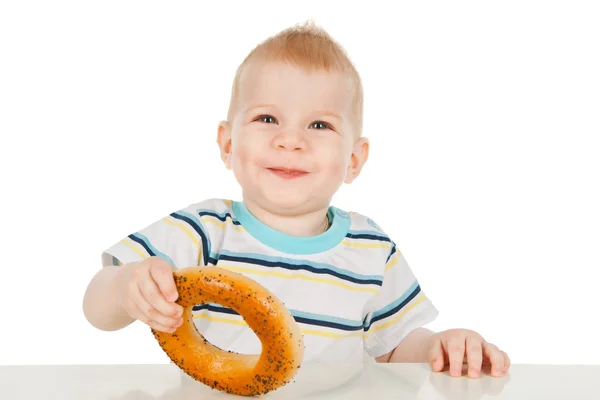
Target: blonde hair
(311,48)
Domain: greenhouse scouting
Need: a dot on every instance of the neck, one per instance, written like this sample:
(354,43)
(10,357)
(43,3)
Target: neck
(308,224)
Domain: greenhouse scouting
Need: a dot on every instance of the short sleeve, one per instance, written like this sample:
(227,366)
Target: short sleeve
(179,238)
(400,307)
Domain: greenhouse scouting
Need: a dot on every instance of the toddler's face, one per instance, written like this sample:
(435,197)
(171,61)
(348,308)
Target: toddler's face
(291,141)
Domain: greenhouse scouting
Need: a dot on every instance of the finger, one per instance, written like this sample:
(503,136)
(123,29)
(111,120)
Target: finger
(506,362)
(496,358)
(139,315)
(474,356)
(151,291)
(456,354)
(436,356)
(162,274)
(146,300)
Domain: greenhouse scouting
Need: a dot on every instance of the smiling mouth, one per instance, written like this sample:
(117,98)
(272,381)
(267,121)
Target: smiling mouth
(287,173)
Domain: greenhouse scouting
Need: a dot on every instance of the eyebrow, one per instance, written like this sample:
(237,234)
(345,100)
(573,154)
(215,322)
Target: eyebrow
(328,113)
(250,108)
(321,112)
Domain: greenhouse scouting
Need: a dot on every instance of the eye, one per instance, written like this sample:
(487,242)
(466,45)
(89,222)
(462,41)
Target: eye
(321,125)
(266,118)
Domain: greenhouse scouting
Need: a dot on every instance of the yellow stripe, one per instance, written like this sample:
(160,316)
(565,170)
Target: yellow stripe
(299,276)
(221,225)
(185,229)
(221,319)
(397,318)
(366,245)
(134,248)
(313,332)
(392,262)
(331,334)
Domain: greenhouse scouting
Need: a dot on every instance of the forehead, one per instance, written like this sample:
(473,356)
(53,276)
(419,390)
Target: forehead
(289,86)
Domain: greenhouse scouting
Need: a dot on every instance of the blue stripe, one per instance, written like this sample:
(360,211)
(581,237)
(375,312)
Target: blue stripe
(294,244)
(150,249)
(370,235)
(391,306)
(299,316)
(220,216)
(295,265)
(394,307)
(333,320)
(197,226)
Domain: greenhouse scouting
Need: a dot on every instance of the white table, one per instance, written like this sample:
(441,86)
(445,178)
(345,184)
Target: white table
(359,381)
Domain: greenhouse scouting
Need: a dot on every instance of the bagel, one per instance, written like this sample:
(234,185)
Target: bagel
(241,374)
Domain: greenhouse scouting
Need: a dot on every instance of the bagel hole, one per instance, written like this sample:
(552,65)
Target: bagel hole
(248,336)
(233,332)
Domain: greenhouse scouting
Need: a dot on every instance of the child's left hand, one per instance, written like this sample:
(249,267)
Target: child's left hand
(450,347)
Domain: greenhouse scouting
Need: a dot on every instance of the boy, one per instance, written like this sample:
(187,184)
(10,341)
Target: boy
(292,137)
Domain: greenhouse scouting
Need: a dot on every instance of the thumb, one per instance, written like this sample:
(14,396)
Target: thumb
(162,273)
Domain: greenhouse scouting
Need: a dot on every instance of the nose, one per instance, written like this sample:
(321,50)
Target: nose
(289,140)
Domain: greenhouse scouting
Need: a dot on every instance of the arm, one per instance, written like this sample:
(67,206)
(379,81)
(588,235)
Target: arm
(413,349)
(395,317)
(140,290)
(453,347)
(142,287)
(101,305)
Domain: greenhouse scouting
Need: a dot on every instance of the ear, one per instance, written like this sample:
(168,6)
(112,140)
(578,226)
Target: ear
(360,154)
(224,142)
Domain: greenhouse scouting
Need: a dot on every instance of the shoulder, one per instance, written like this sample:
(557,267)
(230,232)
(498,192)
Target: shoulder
(206,211)
(365,237)
(206,217)
(182,237)
(205,222)
(361,224)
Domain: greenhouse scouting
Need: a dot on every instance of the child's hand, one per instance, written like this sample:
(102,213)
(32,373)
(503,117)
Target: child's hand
(147,292)
(450,347)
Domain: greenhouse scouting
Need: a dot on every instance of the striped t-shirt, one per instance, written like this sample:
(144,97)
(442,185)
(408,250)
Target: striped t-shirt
(349,288)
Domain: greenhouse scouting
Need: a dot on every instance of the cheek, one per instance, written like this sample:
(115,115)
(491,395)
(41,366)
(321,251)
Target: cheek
(240,154)
(246,152)
(238,157)
(335,161)
(239,161)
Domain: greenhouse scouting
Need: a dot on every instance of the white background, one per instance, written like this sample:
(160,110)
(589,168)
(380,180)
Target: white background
(484,120)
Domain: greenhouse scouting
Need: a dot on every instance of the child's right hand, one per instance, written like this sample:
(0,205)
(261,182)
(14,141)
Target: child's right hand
(147,292)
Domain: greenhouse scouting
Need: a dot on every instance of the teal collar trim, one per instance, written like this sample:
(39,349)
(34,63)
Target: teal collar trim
(339,220)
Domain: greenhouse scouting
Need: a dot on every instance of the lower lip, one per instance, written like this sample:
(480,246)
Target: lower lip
(288,175)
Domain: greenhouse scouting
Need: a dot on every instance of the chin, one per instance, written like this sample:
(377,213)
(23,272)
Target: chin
(288,201)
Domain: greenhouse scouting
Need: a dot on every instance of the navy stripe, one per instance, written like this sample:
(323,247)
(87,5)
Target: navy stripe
(213,260)
(150,249)
(367,236)
(322,271)
(302,320)
(393,310)
(142,243)
(335,325)
(391,252)
(200,231)
(219,217)
(218,309)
